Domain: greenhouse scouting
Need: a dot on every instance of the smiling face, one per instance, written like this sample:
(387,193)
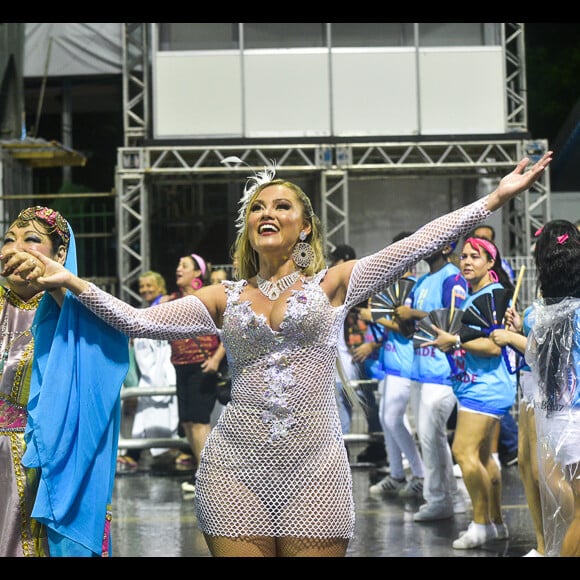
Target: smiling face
(249,256)
(275,221)
(149,288)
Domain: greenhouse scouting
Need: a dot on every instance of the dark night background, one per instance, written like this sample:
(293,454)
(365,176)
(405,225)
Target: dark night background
(553,83)
(553,75)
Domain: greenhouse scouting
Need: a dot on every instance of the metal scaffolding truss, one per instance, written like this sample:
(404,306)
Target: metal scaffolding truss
(135,82)
(516,88)
(448,156)
(333,164)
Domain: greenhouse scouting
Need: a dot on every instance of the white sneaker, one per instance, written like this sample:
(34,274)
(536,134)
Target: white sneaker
(413,488)
(388,486)
(429,512)
(476,535)
(533,553)
(501,531)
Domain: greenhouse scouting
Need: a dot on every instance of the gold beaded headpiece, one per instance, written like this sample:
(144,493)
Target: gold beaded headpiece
(49,217)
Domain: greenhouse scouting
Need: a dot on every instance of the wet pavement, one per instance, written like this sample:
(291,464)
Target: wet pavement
(153,518)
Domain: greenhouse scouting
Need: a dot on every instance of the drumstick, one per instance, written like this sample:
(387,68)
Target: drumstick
(518,284)
(517,289)
(452,309)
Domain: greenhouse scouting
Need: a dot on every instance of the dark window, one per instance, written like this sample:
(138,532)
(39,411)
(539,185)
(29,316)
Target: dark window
(198,36)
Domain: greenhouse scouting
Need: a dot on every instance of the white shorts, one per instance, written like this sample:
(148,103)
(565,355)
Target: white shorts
(560,432)
(460,407)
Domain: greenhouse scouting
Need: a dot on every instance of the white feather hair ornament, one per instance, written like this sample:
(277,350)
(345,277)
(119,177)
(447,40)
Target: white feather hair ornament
(254,181)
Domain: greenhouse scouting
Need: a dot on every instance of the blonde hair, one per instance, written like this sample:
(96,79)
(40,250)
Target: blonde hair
(246,256)
(159,279)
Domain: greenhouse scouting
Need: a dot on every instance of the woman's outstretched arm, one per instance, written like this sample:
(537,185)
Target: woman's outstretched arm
(360,279)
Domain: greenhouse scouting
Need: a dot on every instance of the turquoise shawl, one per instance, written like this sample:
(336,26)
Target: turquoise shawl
(74,417)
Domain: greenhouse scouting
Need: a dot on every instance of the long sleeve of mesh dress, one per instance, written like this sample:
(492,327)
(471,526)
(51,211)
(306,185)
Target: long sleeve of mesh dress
(275,464)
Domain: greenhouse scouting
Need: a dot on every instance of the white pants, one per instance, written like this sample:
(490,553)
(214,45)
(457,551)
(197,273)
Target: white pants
(395,394)
(436,404)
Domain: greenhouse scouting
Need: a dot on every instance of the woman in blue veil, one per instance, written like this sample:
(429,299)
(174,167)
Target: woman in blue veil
(72,433)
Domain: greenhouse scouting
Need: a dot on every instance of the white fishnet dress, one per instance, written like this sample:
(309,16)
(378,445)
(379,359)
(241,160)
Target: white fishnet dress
(275,464)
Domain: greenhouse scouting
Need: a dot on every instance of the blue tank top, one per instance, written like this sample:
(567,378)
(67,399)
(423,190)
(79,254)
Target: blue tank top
(397,351)
(433,291)
(487,385)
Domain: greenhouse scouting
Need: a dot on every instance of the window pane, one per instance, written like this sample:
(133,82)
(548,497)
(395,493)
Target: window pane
(458,34)
(284,34)
(357,34)
(198,35)
(224,35)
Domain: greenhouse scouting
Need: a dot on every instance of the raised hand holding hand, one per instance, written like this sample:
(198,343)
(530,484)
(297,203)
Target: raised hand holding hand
(36,268)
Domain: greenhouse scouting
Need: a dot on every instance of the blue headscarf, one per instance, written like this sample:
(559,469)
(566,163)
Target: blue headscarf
(74,416)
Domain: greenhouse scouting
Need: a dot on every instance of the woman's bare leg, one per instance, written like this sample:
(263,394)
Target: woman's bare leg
(258,546)
(528,468)
(472,450)
(571,541)
(252,546)
(312,547)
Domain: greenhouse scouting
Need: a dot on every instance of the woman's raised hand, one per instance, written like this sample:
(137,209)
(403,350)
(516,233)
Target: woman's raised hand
(518,180)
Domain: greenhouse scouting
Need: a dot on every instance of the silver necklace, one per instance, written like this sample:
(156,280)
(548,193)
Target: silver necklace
(272,290)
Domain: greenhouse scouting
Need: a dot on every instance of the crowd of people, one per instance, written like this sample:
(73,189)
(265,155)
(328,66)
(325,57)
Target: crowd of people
(396,393)
(272,477)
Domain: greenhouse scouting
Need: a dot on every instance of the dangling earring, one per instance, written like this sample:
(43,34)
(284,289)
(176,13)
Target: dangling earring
(196,283)
(302,254)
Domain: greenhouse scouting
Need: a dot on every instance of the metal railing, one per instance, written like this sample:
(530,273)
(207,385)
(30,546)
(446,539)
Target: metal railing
(145,442)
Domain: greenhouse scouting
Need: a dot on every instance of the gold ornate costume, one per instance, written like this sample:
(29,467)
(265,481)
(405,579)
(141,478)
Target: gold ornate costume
(19,534)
